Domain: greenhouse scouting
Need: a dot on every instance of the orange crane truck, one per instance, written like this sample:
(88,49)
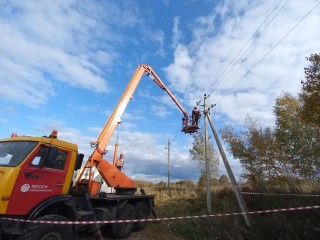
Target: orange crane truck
(36,183)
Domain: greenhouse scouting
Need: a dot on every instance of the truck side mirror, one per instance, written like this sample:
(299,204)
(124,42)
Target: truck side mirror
(78,161)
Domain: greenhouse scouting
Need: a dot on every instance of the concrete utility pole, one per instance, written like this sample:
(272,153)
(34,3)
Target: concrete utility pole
(169,146)
(234,183)
(206,157)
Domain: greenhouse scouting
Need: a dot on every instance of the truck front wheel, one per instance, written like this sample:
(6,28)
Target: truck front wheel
(38,231)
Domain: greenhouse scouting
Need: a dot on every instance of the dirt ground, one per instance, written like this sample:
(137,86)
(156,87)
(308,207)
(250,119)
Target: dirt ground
(146,234)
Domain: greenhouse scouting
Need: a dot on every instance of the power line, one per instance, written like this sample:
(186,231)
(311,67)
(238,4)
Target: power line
(176,136)
(232,63)
(269,51)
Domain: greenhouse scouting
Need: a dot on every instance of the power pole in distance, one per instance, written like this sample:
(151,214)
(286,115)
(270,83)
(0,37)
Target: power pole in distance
(169,146)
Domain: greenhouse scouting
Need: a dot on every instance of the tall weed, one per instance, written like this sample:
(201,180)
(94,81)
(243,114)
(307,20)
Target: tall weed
(175,202)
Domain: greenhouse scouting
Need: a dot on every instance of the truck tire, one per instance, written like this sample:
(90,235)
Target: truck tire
(123,230)
(36,231)
(142,212)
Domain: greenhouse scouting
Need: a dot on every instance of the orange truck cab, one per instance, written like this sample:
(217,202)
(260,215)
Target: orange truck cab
(28,175)
(35,172)
(36,184)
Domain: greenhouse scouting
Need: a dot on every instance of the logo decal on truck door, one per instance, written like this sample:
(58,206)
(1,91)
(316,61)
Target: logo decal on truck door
(35,188)
(25,188)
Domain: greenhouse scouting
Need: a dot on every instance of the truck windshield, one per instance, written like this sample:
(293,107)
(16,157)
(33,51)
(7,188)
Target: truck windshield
(13,153)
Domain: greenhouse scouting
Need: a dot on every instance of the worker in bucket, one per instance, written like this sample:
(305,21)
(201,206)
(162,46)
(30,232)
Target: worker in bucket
(195,116)
(119,162)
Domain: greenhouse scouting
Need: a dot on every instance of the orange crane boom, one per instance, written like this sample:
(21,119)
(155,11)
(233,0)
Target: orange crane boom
(111,175)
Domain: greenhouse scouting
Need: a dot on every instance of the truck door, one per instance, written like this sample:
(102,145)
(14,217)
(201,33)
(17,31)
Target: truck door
(38,180)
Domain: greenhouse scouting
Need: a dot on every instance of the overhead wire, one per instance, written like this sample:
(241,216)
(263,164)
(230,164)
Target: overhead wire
(271,49)
(175,137)
(232,63)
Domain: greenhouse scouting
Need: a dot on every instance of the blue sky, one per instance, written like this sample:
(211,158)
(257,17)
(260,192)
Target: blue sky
(64,65)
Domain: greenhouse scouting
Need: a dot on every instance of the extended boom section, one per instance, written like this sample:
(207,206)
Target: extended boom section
(110,174)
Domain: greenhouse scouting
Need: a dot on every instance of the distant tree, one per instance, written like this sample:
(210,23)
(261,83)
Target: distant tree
(142,183)
(186,184)
(202,180)
(310,94)
(287,133)
(198,150)
(214,182)
(298,141)
(256,149)
(290,151)
(224,180)
(161,184)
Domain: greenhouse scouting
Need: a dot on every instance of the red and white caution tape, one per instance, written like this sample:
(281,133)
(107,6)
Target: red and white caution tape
(282,194)
(165,218)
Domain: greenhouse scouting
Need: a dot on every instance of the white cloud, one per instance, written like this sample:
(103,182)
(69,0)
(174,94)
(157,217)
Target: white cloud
(160,111)
(73,42)
(37,48)
(176,32)
(146,157)
(197,65)
(179,72)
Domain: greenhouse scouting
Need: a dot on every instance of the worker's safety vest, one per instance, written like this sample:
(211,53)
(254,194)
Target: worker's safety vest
(119,163)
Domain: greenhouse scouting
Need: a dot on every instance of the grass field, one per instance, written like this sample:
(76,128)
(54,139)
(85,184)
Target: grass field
(182,201)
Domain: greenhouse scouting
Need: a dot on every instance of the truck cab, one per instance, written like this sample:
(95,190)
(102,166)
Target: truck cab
(28,173)
(36,184)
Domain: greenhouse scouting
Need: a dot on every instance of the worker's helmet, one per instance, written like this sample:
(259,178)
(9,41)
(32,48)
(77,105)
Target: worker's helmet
(121,155)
